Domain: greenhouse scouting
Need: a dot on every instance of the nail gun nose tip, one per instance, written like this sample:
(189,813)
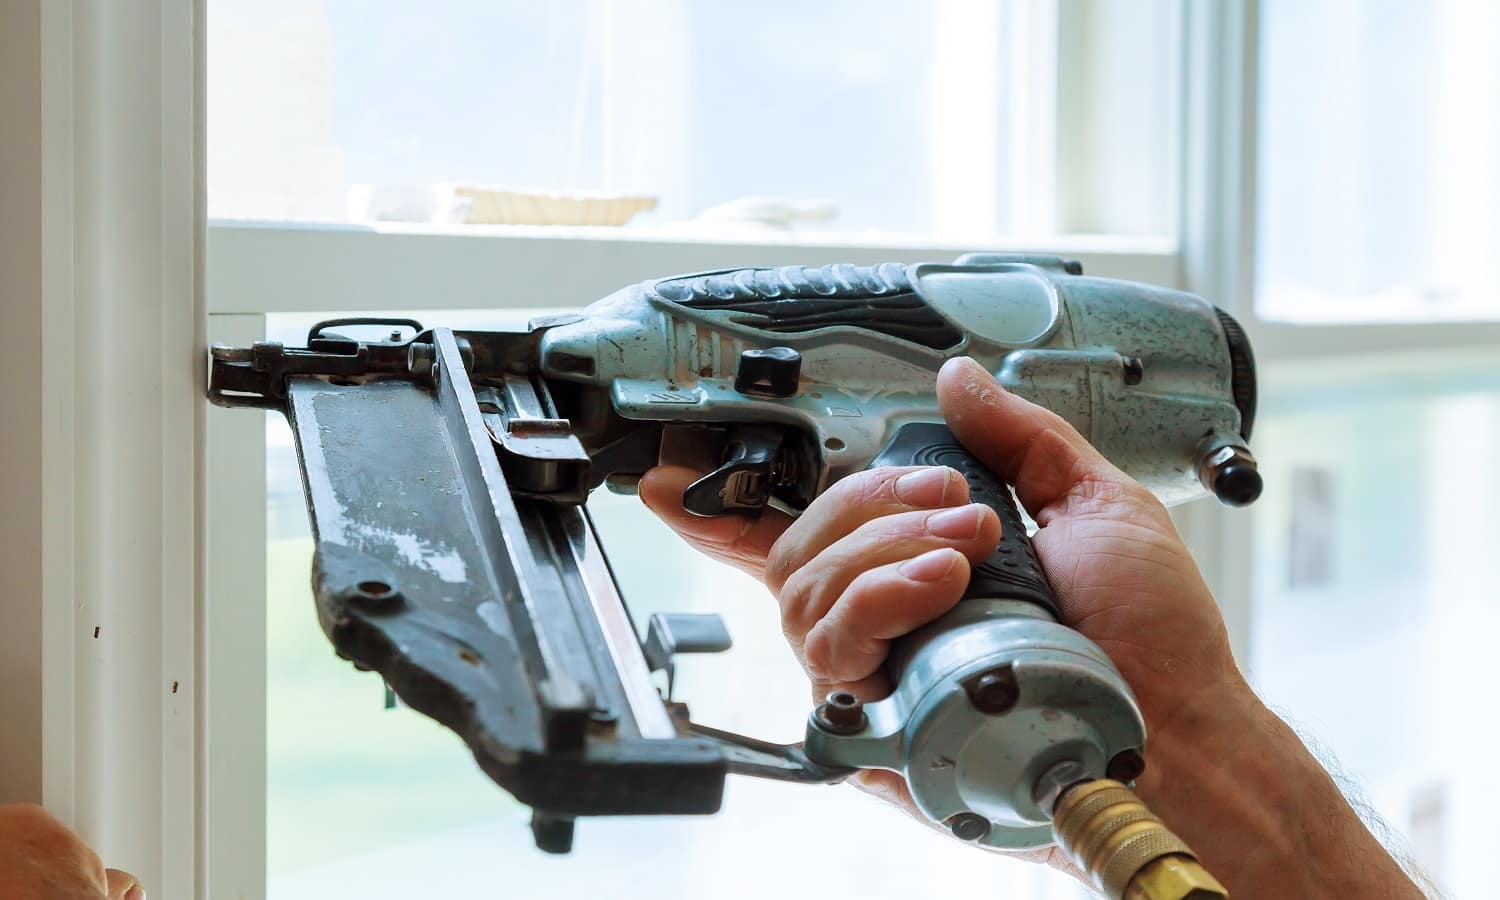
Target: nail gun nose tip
(1238,485)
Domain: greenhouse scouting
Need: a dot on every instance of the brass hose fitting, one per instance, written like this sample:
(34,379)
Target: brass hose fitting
(1125,849)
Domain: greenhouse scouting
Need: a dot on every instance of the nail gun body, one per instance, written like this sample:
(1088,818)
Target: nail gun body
(856,348)
(446,474)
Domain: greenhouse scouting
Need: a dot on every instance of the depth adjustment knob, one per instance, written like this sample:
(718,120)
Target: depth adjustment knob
(772,372)
(1228,469)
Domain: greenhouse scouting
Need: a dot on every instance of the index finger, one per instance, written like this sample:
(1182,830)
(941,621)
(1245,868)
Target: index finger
(1029,446)
(740,541)
(854,500)
(775,545)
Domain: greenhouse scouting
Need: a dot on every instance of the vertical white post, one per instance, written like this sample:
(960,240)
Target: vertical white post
(1463,617)
(1218,228)
(234,690)
(1119,72)
(100,248)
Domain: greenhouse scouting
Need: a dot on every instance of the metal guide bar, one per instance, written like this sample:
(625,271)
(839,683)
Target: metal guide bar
(532,594)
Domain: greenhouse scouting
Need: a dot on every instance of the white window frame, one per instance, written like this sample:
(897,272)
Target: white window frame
(1218,262)
(101,278)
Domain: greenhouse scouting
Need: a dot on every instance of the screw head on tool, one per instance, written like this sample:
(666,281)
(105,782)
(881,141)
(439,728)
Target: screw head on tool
(968,826)
(841,713)
(995,692)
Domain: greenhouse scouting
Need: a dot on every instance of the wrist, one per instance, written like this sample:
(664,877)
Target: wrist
(1263,815)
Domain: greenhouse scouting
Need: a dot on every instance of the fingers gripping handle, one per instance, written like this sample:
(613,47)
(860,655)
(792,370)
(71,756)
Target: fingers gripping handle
(1013,571)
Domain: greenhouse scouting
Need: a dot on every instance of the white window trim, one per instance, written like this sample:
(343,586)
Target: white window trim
(234,638)
(1220,116)
(114,370)
(263,268)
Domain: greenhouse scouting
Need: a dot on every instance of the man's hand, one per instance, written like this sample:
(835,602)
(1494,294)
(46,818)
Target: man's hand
(885,551)
(41,859)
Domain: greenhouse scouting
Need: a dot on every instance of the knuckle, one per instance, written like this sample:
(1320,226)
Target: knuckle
(1109,488)
(876,485)
(797,640)
(1142,497)
(780,566)
(859,490)
(898,527)
(818,655)
(1057,423)
(797,600)
(837,654)
(865,592)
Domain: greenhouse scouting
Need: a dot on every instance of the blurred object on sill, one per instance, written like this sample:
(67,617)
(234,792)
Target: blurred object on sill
(497,206)
(463,204)
(758,213)
(435,203)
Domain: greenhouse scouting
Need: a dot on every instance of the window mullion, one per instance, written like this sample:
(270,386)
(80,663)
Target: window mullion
(234,636)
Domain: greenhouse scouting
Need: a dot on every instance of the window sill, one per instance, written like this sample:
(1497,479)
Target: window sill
(278,267)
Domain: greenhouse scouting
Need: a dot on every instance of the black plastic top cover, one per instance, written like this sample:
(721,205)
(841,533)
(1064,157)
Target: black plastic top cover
(793,299)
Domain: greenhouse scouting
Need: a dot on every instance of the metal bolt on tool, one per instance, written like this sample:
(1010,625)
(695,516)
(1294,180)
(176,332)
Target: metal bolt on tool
(841,713)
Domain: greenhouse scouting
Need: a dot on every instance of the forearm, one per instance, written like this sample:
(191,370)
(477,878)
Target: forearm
(1263,815)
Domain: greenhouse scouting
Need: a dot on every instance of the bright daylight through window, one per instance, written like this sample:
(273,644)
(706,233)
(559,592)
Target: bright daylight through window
(908,117)
(1380,176)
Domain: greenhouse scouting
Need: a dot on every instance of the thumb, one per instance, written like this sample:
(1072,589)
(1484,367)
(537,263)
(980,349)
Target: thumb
(1029,446)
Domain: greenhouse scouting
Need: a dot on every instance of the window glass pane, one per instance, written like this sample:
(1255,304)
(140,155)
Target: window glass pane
(375,803)
(945,118)
(1379,160)
(1374,596)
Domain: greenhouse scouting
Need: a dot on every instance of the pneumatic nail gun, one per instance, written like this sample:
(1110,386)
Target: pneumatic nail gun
(446,473)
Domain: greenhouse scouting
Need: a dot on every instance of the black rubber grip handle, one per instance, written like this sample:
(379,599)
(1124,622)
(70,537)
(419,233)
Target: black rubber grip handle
(1013,571)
